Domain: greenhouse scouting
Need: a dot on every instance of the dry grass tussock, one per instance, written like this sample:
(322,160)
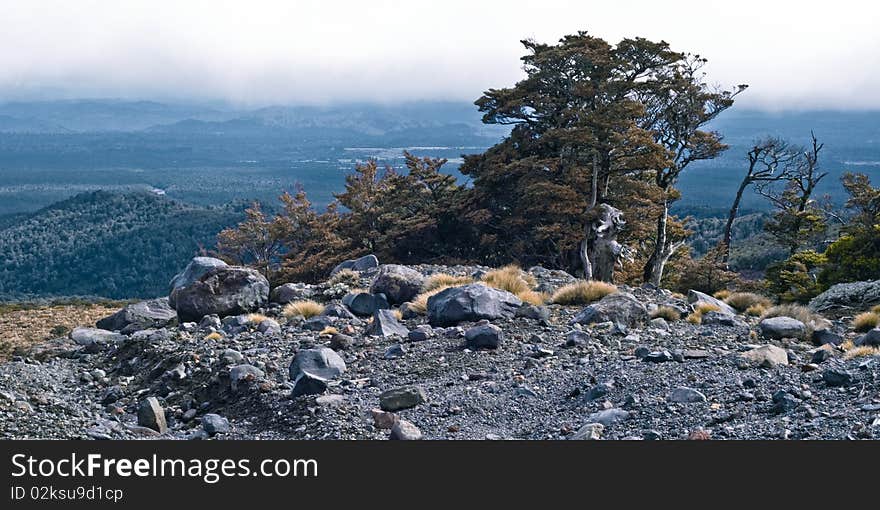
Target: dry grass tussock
(510,278)
(722,294)
(582,292)
(666,313)
(742,301)
(438,280)
(866,321)
(306,309)
(797,312)
(700,308)
(861,352)
(345,276)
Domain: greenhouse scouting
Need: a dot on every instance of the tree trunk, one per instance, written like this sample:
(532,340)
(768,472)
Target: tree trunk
(653,273)
(600,251)
(728,228)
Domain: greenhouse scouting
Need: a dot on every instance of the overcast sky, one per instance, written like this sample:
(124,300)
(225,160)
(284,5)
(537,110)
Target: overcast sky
(805,54)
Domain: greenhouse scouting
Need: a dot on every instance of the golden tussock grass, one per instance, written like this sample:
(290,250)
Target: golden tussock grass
(866,321)
(328,331)
(510,278)
(397,314)
(533,297)
(742,301)
(213,336)
(700,308)
(22,325)
(797,312)
(419,304)
(345,276)
(666,313)
(756,310)
(306,309)
(256,318)
(438,280)
(582,292)
(860,352)
(722,294)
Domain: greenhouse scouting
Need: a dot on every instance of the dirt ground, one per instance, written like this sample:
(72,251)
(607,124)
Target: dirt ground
(29,326)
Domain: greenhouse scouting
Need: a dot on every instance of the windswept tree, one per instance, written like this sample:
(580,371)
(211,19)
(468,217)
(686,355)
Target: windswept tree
(576,127)
(770,161)
(678,106)
(799,221)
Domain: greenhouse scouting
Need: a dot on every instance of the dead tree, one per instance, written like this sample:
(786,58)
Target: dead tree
(600,252)
(770,160)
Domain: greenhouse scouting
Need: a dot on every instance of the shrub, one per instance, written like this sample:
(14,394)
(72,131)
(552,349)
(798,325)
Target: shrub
(866,321)
(721,294)
(306,309)
(700,308)
(346,277)
(744,300)
(794,280)
(328,331)
(445,280)
(876,309)
(582,292)
(397,314)
(510,278)
(667,313)
(533,297)
(213,336)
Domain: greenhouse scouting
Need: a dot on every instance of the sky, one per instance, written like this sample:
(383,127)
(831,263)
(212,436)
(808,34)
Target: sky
(794,55)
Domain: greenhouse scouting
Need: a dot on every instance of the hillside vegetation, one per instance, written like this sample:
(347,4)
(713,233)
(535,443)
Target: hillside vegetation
(108,244)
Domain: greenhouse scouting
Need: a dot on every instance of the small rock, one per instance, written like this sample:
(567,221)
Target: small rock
(405,431)
(608,417)
(837,377)
(589,432)
(782,327)
(383,420)
(658,357)
(244,374)
(151,415)
(215,424)
(401,398)
(394,351)
(420,334)
(686,396)
(485,336)
(767,356)
(340,342)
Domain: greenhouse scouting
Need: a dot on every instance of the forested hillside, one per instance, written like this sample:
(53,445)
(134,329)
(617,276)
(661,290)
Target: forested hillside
(101,243)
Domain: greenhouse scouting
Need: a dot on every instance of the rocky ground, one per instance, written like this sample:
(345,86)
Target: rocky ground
(548,372)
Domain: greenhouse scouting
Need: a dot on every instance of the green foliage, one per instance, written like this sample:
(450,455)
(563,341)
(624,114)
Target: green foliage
(105,244)
(794,280)
(856,255)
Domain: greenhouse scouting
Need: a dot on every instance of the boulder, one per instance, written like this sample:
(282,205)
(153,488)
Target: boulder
(89,337)
(398,283)
(364,263)
(767,356)
(619,308)
(589,432)
(826,336)
(405,431)
(155,313)
(484,336)
(385,324)
(364,304)
(244,374)
(846,298)
(684,395)
(215,424)
(401,398)
(722,319)
(338,310)
(289,292)
(222,291)
(197,268)
(782,327)
(869,339)
(151,415)
(312,369)
(699,297)
(471,302)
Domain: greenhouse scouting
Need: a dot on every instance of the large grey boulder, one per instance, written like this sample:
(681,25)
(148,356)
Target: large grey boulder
(847,297)
(364,304)
(197,267)
(385,324)
(290,292)
(222,291)
(151,415)
(364,263)
(155,313)
(471,302)
(619,308)
(767,356)
(312,369)
(782,327)
(398,283)
(869,339)
(89,337)
(695,297)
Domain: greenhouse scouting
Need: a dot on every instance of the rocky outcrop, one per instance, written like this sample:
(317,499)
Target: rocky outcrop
(471,302)
(399,284)
(846,298)
(155,313)
(222,291)
(619,308)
